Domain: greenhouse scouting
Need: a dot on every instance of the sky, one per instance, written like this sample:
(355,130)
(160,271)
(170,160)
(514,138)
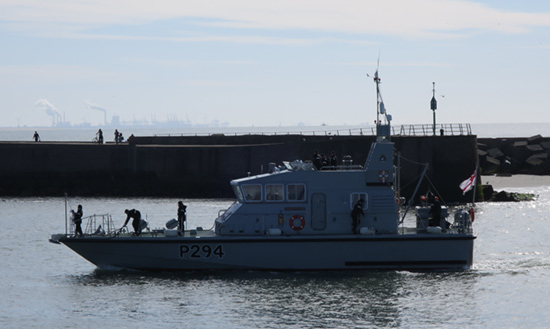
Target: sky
(273,63)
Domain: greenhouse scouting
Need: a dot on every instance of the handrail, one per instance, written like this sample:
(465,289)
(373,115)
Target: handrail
(442,129)
(99,224)
(451,129)
(355,131)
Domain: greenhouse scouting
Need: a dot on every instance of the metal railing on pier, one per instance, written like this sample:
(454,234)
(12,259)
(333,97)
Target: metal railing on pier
(440,129)
(354,131)
(451,129)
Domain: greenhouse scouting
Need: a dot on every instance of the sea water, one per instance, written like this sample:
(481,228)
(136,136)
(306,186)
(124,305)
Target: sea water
(46,285)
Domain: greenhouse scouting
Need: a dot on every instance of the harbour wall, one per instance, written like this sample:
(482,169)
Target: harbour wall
(202,166)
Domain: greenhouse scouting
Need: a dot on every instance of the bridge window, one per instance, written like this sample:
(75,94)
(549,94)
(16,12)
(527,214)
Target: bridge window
(238,192)
(355,197)
(252,192)
(296,192)
(274,192)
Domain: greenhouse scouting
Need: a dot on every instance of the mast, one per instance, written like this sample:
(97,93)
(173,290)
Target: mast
(474,187)
(66,225)
(378,97)
(433,105)
(383,131)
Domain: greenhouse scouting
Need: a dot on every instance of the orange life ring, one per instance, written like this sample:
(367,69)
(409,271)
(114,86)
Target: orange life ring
(297,222)
(472,213)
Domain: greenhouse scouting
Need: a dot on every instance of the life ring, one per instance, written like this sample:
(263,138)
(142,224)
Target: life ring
(472,213)
(297,222)
(383,176)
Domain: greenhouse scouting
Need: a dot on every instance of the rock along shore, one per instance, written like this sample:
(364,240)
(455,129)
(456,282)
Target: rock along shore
(510,156)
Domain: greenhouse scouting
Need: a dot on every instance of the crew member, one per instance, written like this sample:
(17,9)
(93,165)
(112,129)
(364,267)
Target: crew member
(356,215)
(317,160)
(333,160)
(182,217)
(77,220)
(136,223)
(435,211)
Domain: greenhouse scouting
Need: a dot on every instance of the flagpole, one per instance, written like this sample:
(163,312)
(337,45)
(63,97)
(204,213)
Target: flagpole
(474,187)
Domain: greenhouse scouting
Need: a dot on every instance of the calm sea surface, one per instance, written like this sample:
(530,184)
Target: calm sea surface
(48,286)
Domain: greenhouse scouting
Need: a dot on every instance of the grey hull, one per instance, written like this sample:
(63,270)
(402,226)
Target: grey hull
(387,252)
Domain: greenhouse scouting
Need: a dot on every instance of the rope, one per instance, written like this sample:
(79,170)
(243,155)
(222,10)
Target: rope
(411,161)
(436,191)
(427,178)
(412,181)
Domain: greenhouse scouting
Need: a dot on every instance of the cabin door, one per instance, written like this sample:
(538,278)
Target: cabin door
(318,211)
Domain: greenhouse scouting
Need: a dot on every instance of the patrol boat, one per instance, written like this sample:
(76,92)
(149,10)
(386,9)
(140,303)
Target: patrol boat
(296,218)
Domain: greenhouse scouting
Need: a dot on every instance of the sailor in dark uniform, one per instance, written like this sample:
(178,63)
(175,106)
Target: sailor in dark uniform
(333,160)
(182,217)
(136,223)
(356,215)
(77,220)
(435,211)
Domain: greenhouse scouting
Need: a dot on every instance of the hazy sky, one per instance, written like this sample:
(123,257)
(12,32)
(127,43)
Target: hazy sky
(270,63)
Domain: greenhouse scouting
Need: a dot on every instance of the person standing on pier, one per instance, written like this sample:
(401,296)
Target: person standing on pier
(99,136)
(36,137)
(118,136)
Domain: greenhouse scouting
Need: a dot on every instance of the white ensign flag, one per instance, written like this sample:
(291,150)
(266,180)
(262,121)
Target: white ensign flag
(468,184)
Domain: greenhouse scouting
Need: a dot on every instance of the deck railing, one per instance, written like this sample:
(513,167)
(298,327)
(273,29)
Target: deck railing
(95,225)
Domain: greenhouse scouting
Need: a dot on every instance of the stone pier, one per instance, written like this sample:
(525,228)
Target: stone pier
(202,166)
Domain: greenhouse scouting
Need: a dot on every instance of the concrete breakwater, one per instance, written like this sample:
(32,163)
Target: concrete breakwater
(193,167)
(508,156)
